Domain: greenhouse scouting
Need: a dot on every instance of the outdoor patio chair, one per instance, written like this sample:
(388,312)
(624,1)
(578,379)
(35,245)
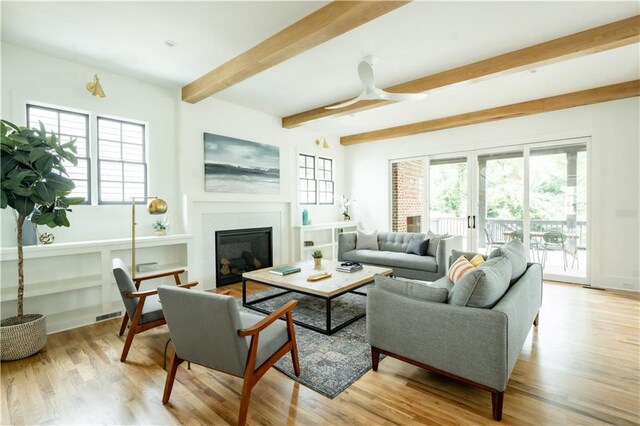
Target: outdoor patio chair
(534,246)
(490,241)
(209,330)
(143,307)
(554,240)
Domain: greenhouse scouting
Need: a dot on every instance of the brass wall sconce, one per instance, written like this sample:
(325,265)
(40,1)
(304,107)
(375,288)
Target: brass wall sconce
(322,141)
(155,206)
(95,88)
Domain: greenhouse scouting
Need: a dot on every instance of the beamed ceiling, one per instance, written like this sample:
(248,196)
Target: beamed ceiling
(477,61)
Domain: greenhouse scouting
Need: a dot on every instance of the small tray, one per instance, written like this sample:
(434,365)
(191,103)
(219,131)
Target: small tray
(320,276)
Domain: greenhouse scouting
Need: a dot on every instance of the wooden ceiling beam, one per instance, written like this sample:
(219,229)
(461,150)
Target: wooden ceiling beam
(328,22)
(569,100)
(609,36)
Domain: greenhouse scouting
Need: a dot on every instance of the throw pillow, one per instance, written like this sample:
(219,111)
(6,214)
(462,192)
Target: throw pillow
(483,286)
(477,260)
(366,241)
(434,240)
(517,255)
(459,268)
(418,246)
(412,289)
(468,254)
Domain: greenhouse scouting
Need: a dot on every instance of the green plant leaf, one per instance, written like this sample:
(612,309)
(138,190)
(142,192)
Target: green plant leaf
(45,193)
(44,164)
(73,200)
(9,124)
(3,200)
(59,183)
(36,154)
(44,219)
(23,205)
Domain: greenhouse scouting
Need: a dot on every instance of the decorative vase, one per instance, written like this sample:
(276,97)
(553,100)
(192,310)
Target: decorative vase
(29,235)
(22,339)
(317,262)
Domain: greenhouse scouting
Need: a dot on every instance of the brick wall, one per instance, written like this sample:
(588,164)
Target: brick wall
(407,197)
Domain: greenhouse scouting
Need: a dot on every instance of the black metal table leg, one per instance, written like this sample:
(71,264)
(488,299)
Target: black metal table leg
(328,302)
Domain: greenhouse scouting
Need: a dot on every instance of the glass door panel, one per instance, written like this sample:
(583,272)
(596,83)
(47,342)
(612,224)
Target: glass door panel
(558,208)
(500,199)
(448,198)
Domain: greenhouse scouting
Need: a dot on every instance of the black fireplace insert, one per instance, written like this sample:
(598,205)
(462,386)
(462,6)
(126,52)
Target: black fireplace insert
(242,250)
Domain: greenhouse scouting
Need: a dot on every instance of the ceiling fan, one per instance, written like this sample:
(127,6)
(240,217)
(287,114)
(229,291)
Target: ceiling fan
(371,92)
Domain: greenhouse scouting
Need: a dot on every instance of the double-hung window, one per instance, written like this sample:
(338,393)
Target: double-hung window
(67,125)
(307,166)
(325,181)
(315,180)
(121,161)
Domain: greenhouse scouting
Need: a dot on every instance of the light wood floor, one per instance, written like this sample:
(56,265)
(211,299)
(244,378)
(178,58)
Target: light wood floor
(581,366)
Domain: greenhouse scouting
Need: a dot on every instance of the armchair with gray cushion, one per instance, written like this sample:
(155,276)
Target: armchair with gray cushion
(209,330)
(472,331)
(142,307)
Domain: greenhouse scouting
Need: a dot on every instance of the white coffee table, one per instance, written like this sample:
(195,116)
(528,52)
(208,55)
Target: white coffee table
(327,289)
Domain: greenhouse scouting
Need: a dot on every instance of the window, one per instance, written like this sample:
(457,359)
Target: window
(67,125)
(307,179)
(316,185)
(121,161)
(325,181)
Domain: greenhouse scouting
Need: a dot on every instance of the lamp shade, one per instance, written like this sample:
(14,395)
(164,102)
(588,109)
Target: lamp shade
(95,88)
(157,206)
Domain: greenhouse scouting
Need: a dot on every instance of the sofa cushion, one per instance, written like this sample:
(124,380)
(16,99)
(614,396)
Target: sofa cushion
(477,260)
(484,286)
(442,282)
(392,259)
(517,255)
(397,241)
(418,246)
(434,240)
(459,268)
(366,241)
(412,289)
(468,254)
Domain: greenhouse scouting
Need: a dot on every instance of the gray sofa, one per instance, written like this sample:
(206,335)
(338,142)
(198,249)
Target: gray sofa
(442,329)
(392,254)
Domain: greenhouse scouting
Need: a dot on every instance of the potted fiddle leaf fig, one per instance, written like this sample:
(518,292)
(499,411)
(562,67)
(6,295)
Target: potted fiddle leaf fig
(34,183)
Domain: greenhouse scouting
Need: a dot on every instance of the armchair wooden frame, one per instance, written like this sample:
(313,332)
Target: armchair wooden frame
(251,373)
(135,326)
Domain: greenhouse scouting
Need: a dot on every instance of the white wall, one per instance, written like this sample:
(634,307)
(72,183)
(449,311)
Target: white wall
(615,179)
(223,118)
(35,77)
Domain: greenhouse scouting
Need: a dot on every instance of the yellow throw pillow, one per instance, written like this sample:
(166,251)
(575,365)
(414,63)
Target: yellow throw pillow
(477,260)
(460,267)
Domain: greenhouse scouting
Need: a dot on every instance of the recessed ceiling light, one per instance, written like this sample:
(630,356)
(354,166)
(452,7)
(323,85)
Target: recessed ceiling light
(170,43)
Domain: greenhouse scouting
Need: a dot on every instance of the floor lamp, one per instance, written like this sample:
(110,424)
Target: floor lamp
(155,206)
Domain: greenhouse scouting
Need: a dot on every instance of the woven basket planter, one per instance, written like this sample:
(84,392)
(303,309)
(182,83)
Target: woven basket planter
(19,341)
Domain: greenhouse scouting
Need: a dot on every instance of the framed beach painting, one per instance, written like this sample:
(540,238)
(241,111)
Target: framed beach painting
(240,166)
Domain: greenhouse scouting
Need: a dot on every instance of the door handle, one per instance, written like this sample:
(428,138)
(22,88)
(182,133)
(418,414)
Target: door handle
(474,222)
(468,223)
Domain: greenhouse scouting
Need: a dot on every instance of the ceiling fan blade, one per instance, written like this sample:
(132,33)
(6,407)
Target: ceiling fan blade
(360,97)
(365,71)
(400,96)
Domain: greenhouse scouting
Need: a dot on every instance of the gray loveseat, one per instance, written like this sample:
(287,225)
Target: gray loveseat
(443,328)
(391,253)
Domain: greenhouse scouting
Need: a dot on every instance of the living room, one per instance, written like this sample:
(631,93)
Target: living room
(142,76)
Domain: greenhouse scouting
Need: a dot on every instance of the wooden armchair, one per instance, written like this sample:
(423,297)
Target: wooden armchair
(209,330)
(143,307)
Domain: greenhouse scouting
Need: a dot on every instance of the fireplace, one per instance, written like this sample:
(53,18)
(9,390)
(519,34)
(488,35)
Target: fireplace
(414,224)
(241,250)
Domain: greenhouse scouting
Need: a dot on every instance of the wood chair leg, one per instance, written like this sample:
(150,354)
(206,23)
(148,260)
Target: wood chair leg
(244,401)
(497,399)
(127,342)
(375,358)
(171,376)
(123,327)
(536,320)
(294,346)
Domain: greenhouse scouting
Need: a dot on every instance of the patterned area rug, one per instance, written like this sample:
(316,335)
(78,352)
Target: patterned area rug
(328,364)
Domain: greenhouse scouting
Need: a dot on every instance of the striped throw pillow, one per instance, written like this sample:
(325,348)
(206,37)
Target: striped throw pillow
(459,268)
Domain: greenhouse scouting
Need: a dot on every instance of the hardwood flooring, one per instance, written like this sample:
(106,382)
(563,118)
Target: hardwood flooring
(581,366)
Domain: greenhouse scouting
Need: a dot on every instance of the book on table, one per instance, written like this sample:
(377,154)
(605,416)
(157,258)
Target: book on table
(349,268)
(285,270)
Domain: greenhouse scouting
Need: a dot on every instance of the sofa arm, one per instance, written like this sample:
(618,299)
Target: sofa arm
(444,251)
(346,242)
(468,342)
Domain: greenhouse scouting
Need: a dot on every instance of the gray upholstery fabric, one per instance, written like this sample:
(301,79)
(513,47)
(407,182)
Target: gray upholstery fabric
(125,284)
(271,338)
(481,345)
(418,247)
(443,282)
(455,254)
(346,242)
(467,342)
(204,328)
(152,309)
(517,255)
(483,286)
(413,289)
(383,258)
(397,241)
(434,241)
(365,241)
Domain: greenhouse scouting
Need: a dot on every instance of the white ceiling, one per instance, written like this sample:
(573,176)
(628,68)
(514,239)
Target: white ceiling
(415,40)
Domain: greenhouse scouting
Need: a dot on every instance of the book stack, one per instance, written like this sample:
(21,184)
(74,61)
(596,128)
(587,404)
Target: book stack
(349,267)
(285,270)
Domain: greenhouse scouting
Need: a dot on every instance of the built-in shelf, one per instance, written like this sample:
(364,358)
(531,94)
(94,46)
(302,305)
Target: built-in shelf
(324,237)
(72,283)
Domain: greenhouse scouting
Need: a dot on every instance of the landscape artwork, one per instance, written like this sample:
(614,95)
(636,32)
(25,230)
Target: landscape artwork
(239,166)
